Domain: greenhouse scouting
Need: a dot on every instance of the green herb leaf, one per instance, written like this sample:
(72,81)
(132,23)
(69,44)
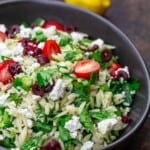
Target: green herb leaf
(134,85)
(38,22)
(5,119)
(128,96)
(15,97)
(40,37)
(42,126)
(24,82)
(86,121)
(8,142)
(25,24)
(64,41)
(101,115)
(82,90)
(43,77)
(63,120)
(32,143)
(93,78)
(64,134)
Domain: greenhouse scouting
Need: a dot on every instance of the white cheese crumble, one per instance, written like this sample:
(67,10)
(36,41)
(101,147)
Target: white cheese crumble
(25,112)
(73,125)
(77,36)
(36,97)
(16,50)
(125,69)
(48,32)
(106,125)
(3,99)
(87,145)
(3,28)
(98,42)
(58,90)
(29,123)
(41,45)
(25,32)
(1,137)
(18,59)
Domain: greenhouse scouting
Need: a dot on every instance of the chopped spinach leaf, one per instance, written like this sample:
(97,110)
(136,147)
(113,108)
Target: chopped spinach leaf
(40,37)
(64,134)
(101,115)
(86,121)
(5,119)
(15,97)
(8,142)
(32,143)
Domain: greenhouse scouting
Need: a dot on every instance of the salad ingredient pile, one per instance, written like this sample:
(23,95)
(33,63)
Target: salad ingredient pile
(60,89)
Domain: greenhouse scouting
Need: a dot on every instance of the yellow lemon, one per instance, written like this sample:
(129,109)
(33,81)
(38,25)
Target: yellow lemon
(98,6)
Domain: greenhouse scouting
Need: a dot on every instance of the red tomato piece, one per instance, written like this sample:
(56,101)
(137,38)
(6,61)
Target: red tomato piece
(5,76)
(84,68)
(53,23)
(3,36)
(50,48)
(113,68)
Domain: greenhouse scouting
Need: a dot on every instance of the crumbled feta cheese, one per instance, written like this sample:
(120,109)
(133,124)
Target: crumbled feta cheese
(125,69)
(1,137)
(73,124)
(98,42)
(36,97)
(25,112)
(28,115)
(78,36)
(41,45)
(29,123)
(18,59)
(107,125)
(48,32)
(3,28)
(73,134)
(25,32)
(87,145)
(3,99)
(4,50)
(17,50)
(58,90)
(35,65)
(22,111)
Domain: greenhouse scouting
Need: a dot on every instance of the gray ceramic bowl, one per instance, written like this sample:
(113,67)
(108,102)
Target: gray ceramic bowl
(96,26)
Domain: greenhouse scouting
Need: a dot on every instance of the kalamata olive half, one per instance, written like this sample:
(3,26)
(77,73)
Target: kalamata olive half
(106,55)
(41,59)
(122,74)
(37,90)
(13,30)
(14,69)
(52,145)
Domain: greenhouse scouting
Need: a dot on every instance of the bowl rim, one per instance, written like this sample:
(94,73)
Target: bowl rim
(119,32)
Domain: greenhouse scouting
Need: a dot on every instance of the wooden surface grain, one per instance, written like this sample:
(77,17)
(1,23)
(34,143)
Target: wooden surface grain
(133,18)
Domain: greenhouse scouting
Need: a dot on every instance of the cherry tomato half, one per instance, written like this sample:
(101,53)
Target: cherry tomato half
(3,36)
(113,68)
(53,23)
(84,68)
(5,76)
(50,48)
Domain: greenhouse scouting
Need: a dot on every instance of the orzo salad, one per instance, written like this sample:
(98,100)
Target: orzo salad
(60,89)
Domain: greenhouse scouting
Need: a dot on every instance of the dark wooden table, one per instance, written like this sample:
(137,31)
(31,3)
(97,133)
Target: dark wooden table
(133,18)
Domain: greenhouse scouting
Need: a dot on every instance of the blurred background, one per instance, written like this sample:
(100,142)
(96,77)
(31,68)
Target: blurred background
(132,17)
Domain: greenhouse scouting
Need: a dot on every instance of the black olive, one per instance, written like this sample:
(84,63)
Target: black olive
(106,55)
(52,145)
